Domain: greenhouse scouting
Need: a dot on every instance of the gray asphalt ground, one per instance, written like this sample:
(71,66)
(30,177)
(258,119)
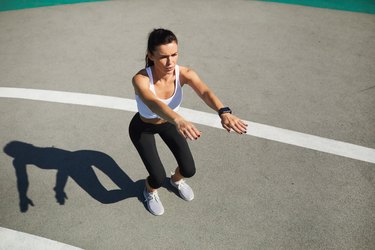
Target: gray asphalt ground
(305,69)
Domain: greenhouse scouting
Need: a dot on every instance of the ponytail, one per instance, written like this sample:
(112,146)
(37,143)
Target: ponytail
(149,62)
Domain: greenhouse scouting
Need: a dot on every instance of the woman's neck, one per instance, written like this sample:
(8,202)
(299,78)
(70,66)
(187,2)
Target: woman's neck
(160,75)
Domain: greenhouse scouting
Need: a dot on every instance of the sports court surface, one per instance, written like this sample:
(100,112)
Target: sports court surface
(302,75)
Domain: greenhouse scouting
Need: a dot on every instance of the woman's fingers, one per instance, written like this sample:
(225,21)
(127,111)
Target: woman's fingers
(241,127)
(192,134)
(188,130)
(238,129)
(226,127)
(230,122)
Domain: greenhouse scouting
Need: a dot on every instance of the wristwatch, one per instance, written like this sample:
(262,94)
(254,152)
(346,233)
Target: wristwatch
(224,110)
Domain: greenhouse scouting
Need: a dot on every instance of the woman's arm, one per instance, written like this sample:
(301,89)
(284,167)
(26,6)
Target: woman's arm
(141,86)
(22,185)
(228,120)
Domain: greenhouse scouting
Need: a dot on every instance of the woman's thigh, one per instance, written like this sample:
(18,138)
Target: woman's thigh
(145,144)
(180,149)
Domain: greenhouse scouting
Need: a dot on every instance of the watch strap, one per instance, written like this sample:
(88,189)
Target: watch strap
(224,110)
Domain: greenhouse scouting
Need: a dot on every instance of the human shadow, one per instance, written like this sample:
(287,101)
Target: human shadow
(75,164)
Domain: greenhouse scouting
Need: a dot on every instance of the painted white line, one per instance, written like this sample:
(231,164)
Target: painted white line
(15,240)
(255,129)
(70,98)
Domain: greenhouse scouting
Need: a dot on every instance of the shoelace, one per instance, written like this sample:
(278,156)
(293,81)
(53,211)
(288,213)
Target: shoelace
(152,196)
(181,184)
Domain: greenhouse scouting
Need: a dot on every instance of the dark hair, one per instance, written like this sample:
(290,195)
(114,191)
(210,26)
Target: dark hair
(158,37)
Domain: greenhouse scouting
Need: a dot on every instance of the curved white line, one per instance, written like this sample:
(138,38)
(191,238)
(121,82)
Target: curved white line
(255,129)
(14,240)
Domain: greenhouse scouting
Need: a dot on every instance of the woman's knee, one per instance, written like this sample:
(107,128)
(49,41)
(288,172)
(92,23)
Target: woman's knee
(188,171)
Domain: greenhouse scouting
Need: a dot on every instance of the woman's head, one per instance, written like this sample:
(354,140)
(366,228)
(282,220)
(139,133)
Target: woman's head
(156,38)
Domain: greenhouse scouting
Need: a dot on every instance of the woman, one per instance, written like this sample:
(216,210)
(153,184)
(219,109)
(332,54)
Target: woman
(158,90)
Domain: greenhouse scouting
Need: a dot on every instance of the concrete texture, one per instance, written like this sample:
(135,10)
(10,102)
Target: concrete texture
(306,69)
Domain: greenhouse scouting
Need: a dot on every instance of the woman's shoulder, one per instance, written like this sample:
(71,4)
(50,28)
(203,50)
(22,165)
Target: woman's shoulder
(186,71)
(141,73)
(140,81)
(141,76)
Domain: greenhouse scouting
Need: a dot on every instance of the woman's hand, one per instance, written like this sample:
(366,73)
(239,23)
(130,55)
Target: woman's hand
(187,129)
(229,122)
(24,204)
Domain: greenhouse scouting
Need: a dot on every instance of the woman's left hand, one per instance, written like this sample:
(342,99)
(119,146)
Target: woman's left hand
(229,122)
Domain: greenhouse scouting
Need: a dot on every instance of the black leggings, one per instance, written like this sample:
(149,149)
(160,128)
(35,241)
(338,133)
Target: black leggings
(142,136)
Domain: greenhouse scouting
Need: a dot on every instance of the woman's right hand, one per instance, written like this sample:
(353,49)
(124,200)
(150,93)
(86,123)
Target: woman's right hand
(187,129)
(24,204)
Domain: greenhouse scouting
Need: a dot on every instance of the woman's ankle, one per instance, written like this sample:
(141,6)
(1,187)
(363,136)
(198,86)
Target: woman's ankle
(149,188)
(176,176)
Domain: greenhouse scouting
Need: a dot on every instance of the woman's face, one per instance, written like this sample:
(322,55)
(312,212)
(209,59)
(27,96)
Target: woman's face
(165,57)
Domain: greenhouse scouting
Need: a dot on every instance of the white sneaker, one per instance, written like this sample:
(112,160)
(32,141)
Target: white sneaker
(154,204)
(184,189)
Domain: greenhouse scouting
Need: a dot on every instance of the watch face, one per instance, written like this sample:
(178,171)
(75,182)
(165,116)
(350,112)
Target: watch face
(225,110)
